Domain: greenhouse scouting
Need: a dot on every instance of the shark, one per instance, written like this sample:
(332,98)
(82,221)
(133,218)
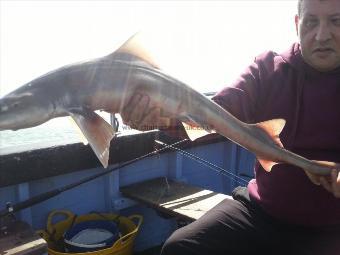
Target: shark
(108,83)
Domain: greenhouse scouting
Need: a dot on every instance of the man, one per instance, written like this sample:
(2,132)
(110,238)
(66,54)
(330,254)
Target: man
(285,211)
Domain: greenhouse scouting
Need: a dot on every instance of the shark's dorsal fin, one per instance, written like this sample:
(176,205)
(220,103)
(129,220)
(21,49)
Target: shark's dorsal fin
(134,46)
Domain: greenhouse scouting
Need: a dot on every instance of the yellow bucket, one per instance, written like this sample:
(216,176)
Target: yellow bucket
(128,226)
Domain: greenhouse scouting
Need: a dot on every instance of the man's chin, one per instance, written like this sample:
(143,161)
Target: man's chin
(324,64)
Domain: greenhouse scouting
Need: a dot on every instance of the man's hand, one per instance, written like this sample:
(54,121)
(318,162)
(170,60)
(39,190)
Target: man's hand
(330,183)
(139,114)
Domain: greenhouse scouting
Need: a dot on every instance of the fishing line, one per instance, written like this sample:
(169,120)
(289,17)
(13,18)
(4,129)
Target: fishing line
(212,166)
(47,195)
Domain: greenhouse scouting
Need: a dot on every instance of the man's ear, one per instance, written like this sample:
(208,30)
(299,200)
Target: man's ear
(297,24)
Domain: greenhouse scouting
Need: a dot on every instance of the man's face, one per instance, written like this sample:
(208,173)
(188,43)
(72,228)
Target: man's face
(318,28)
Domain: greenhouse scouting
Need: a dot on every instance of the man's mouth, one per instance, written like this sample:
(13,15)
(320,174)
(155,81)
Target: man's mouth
(323,50)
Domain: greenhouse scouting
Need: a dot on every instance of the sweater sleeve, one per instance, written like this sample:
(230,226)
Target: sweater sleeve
(242,97)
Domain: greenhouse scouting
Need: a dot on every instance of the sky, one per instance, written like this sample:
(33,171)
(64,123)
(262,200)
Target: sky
(206,44)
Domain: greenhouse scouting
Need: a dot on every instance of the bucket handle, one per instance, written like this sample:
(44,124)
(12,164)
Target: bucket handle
(49,226)
(42,233)
(128,236)
(138,218)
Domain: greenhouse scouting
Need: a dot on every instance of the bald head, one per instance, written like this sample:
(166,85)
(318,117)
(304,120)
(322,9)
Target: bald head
(300,5)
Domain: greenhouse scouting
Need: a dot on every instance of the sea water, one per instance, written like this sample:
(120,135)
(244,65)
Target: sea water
(55,132)
(59,131)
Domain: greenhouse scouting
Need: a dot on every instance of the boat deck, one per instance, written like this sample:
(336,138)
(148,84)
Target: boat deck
(151,251)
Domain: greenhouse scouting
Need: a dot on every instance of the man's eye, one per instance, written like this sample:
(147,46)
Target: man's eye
(15,104)
(336,21)
(310,23)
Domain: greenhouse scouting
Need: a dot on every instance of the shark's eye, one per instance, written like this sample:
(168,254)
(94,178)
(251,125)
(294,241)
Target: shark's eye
(16,104)
(3,108)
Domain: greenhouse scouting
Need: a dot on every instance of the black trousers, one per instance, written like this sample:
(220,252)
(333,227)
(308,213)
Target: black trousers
(239,226)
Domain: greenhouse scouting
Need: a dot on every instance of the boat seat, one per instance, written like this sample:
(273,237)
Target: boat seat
(174,198)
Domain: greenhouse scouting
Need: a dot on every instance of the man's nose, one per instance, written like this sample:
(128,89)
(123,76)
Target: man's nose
(324,32)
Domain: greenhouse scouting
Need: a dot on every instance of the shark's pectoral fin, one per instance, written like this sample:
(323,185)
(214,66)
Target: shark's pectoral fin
(80,133)
(97,131)
(194,132)
(270,131)
(273,128)
(267,164)
(195,127)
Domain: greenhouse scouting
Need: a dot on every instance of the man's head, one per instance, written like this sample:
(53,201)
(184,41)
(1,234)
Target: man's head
(318,29)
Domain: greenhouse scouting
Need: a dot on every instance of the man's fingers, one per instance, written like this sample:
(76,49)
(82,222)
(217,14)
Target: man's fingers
(129,107)
(313,178)
(139,110)
(326,184)
(138,115)
(331,183)
(161,122)
(154,117)
(150,120)
(335,175)
(133,112)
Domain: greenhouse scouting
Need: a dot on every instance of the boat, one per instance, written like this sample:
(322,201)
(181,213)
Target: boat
(135,158)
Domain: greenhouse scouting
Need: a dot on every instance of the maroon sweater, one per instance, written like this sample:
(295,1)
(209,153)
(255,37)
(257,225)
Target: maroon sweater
(284,86)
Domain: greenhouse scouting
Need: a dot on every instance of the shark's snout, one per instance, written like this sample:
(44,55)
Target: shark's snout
(22,110)
(7,114)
